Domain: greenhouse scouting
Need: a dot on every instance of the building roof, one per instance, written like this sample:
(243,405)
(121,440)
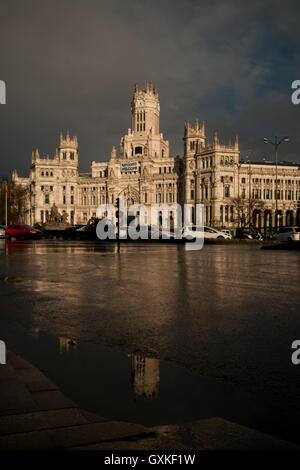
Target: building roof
(270,163)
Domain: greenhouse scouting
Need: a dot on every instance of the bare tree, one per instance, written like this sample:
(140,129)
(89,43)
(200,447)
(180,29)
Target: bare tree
(244,209)
(17,206)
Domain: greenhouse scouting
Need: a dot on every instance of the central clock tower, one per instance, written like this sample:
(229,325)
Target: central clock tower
(144,140)
(145,110)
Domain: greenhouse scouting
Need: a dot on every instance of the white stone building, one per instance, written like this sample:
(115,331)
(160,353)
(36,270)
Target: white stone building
(144,172)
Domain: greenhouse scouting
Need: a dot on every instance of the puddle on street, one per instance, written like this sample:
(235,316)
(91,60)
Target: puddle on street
(96,321)
(145,390)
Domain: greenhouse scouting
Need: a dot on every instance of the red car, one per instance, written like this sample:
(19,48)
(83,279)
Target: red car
(22,231)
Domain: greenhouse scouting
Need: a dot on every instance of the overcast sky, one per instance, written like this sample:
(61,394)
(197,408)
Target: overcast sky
(72,64)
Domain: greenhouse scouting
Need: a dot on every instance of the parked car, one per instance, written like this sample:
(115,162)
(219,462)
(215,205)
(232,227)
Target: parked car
(288,234)
(227,233)
(2,231)
(210,233)
(269,234)
(243,234)
(22,231)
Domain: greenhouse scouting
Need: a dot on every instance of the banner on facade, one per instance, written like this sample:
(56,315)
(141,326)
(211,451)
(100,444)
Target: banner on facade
(127,167)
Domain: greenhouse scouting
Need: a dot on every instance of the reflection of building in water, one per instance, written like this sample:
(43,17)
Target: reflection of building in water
(66,344)
(145,376)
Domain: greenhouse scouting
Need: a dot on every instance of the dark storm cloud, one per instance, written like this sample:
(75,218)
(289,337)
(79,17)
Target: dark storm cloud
(72,64)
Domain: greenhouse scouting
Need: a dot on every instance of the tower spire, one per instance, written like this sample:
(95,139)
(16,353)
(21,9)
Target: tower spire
(236,142)
(216,139)
(113,154)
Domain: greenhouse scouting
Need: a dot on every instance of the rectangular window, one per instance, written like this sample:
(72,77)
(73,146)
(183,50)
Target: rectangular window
(46,198)
(72,199)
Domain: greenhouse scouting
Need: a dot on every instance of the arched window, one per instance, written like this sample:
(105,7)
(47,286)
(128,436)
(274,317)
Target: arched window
(138,150)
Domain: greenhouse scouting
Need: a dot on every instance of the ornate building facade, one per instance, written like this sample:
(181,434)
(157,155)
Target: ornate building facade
(144,172)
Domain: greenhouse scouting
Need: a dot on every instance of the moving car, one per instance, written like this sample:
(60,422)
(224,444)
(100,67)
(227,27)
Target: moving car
(210,233)
(288,234)
(22,231)
(2,231)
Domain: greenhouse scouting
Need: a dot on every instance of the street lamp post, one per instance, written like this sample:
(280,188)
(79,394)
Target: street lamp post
(249,189)
(250,174)
(212,198)
(238,189)
(276,144)
(4,182)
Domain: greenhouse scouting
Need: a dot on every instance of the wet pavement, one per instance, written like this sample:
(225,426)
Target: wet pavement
(156,334)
